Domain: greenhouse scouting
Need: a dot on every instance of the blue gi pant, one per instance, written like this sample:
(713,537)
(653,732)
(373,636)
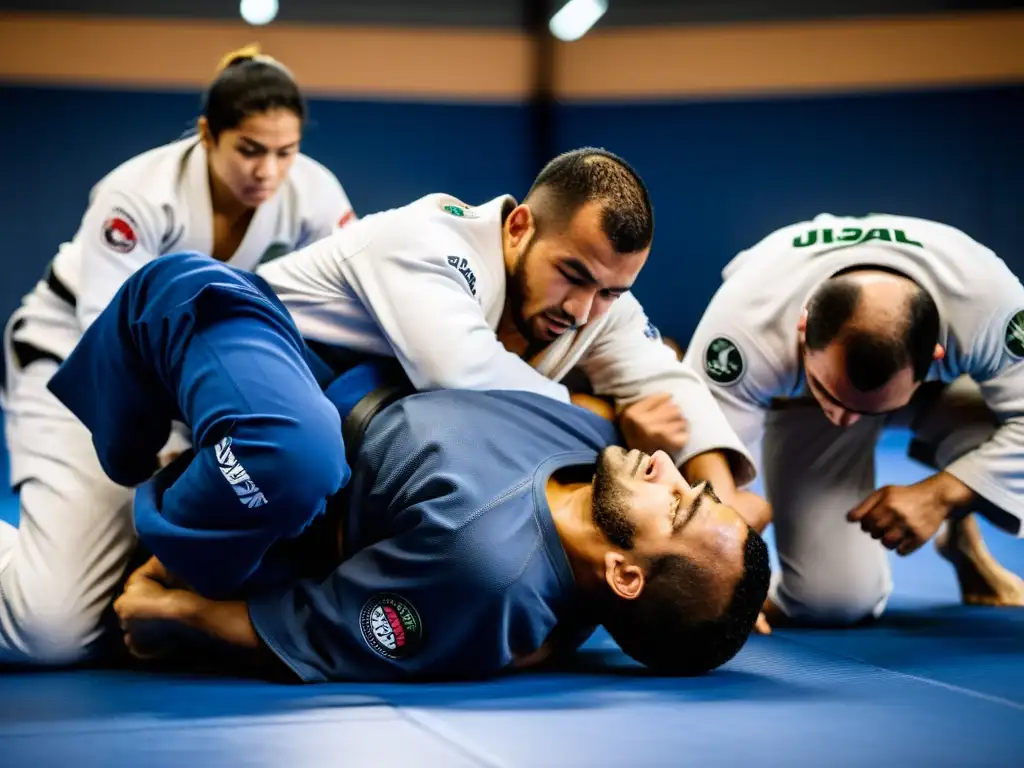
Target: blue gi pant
(187,338)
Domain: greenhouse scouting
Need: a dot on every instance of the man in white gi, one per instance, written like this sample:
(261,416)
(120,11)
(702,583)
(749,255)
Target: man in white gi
(514,296)
(821,335)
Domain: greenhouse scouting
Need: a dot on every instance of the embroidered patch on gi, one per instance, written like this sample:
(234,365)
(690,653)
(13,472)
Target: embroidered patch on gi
(119,231)
(231,468)
(651,331)
(461,265)
(391,626)
(1014,337)
(346,218)
(458,209)
(723,361)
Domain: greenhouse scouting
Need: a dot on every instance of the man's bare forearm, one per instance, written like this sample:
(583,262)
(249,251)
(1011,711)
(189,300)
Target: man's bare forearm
(226,621)
(711,467)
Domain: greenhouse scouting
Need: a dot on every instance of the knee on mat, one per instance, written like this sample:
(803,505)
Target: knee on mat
(56,635)
(837,606)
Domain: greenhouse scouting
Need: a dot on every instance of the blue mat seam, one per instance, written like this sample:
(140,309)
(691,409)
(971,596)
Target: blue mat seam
(931,681)
(416,718)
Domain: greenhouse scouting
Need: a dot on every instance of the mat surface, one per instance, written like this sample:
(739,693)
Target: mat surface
(933,684)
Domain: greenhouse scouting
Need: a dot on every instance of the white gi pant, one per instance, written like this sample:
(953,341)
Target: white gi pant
(814,473)
(60,568)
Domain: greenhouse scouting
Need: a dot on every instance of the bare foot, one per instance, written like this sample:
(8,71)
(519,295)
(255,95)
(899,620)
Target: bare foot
(983,581)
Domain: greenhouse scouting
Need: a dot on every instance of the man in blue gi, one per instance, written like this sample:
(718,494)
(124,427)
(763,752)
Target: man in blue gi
(477,530)
(476,527)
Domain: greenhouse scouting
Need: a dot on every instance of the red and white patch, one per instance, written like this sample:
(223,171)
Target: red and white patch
(347,217)
(391,626)
(119,232)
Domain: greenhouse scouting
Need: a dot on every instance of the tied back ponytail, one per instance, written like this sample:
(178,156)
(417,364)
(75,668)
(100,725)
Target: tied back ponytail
(249,82)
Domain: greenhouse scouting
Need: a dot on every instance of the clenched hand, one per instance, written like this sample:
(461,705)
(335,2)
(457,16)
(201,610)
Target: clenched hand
(655,423)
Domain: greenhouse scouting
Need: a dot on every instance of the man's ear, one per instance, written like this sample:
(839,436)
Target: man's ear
(625,578)
(801,324)
(519,224)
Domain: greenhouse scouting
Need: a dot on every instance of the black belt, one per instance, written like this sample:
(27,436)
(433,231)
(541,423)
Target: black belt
(354,427)
(26,353)
(56,285)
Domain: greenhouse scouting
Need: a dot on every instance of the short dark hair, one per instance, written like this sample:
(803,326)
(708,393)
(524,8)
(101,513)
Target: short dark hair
(673,628)
(250,84)
(873,358)
(591,174)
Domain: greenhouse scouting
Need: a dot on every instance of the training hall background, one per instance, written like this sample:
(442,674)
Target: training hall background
(742,115)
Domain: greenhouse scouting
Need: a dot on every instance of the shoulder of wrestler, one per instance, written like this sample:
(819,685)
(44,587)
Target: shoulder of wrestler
(988,333)
(122,218)
(317,191)
(765,254)
(733,362)
(153,175)
(142,192)
(980,299)
(445,233)
(488,546)
(412,230)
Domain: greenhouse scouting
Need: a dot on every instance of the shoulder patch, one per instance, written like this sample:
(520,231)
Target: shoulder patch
(346,218)
(723,361)
(458,209)
(1013,338)
(120,231)
(461,265)
(651,331)
(391,626)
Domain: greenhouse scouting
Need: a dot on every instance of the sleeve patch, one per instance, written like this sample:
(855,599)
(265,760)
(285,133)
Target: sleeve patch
(391,626)
(723,361)
(1013,338)
(120,231)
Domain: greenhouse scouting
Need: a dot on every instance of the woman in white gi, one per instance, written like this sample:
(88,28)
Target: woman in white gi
(240,191)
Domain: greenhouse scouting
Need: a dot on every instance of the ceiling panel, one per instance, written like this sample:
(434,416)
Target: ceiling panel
(511,13)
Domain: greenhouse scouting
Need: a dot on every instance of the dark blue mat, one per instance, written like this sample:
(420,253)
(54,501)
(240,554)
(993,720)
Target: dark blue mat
(933,684)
